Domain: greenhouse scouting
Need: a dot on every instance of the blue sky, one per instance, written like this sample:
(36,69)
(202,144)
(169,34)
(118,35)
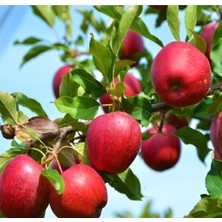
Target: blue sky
(178,188)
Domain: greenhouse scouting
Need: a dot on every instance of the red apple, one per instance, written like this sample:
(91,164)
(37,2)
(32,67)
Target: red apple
(207,34)
(84,195)
(24,192)
(58,78)
(113,141)
(132,44)
(176,120)
(162,150)
(181,74)
(216,135)
(132,85)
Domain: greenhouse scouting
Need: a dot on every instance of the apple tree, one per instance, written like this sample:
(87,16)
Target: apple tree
(82,151)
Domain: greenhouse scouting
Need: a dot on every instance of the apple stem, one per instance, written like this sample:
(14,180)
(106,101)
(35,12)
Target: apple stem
(162,119)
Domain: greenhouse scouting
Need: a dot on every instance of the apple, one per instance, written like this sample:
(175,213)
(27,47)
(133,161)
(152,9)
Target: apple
(113,141)
(176,120)
(181,74)
(207,34)
(58,78)
(24,192)
(132,44)
(85,193)
(162,150)
(132,85)
(216,135)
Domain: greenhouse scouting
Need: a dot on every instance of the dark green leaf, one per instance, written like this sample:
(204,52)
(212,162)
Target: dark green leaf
(197,139)
(191,19)
(138,24)
(88,82)
(139,107)
(78,107)
(124,24)
(103,58)
(8,155)
(207,207)
(216,58)
(173,20)
(122,65)
(34,52)
(214,179)
(126,183)
(28,41)
(198,42)
(29,103)
(217,34)
(55,179)
(45,13)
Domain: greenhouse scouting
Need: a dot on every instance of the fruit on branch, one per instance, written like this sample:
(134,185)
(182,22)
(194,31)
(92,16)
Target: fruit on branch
(132,85)
(176,120)
(58,78)
(207,34)
(84,195)
(181,74)
(132,44)
(113,141)
(24,192)
(216,135)
(162,150)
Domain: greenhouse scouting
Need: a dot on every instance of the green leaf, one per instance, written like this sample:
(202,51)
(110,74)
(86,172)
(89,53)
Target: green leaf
(45,13)
(8,108)
(103,58)
(197,139)
(124,24)
(34,52)
(79,107)
(137,25)
(55,179)
(29,103)
(69,87)
(216,59)
(191,13)
(173,20)
(198,42)
(214,179)
(28,41)
(126,183)
(217,34)
(139,107)
(8,155)
(207,207)
(63,12)
(88,82)
(119,88)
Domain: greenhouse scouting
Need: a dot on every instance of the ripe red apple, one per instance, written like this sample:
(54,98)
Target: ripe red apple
(181,74)
(24,192)
(176,120)
(84,195)
(216,135)
(207,34)
(58,78)
(162,150)
(132,85)
(113,141)
(132,44)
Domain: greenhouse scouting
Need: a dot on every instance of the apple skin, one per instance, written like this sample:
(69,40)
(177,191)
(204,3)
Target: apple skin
(132,85)
(181,74)
(113,141)
(132,44)
(207,34)
(161,151)
(58,78)
(24,192)
(85,194)
(175,120)
(216,135)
